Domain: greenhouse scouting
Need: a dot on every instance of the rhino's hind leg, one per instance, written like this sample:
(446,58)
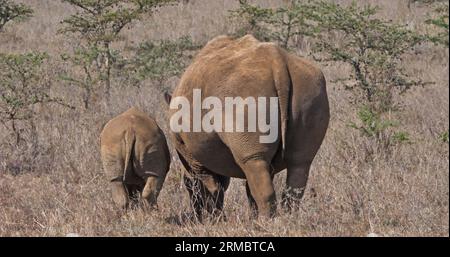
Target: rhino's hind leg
(119,194)
(195,189)
(134,193)
(251,202)
(301,151)
(206,192)
(260,185)
(113,168)
(216,186)
(297,177)
(125,195)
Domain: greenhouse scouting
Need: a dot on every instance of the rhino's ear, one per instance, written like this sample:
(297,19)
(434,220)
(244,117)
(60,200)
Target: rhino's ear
(167,97)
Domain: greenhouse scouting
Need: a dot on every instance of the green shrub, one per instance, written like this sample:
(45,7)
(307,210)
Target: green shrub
(96,26)
(372,47)
(441,23)
(372,124)
(444,137)
(160,60)
(282,24)
(374,50)
(10,11)
(22,86)
(84,72)
(252,19)
(401,137)
(379,127)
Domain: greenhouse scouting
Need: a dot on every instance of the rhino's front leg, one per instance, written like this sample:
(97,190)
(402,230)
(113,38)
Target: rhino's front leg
(196,190)
(214,194)
(251,202)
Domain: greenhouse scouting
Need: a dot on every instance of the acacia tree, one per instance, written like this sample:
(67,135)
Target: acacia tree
(96,26)
(161,60)
(374,50)
(441,23)
(10,11)
(439,20)
(410,2)
(282,24)
(251,19)
(22,87)
(84,71)
(23,84)
(291,21)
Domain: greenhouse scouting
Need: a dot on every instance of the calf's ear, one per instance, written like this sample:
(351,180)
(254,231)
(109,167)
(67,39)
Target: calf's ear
(167,97)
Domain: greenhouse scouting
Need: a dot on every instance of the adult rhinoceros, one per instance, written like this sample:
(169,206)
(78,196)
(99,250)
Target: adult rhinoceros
(248,68)
(135,157)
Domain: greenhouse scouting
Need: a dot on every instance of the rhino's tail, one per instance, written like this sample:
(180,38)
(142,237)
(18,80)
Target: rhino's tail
(282,81)
(130,140)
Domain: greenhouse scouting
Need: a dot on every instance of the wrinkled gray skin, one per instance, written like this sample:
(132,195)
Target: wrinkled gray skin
(245,67)
(135,157)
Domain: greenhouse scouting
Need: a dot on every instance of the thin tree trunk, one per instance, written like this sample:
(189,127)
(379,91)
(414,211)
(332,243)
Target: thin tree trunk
(16,132)
(108,74)
(34,138)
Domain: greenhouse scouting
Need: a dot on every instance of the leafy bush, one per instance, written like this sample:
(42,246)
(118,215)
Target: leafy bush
(401,137)
(376,126)
(441,23)
(372,47)
(444,136)
(372,124)
(10,11)
(22,86)
(97,25)
(282,24)
(290,22)
(252,19)
(84,71)
(351,34)
(161,60)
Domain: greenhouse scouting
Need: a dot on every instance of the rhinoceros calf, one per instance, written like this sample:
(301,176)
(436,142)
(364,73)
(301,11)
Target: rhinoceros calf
(245,67)
(135,157)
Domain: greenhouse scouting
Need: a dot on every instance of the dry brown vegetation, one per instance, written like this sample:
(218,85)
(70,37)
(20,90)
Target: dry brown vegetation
(58,187)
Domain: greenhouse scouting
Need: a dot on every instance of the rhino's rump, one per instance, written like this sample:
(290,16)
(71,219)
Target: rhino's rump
(249,72)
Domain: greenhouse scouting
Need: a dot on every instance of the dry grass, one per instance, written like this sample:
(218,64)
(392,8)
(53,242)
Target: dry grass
(63,190)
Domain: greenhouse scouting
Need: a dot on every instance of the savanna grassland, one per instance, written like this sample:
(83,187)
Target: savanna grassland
(51,178)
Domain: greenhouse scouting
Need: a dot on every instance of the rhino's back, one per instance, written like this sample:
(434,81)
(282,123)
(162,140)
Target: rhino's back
(241,68)
(229,68)
(226,67)
(144,127)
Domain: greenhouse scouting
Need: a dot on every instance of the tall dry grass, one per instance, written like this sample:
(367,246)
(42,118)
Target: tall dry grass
(60,188)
